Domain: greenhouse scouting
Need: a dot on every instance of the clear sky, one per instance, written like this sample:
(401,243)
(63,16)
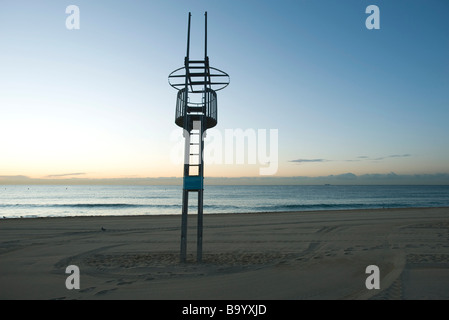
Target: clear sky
(95,102)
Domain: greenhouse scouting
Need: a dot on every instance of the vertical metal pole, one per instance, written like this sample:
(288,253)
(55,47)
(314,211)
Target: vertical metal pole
(185,193)
(185,198)
(206,58)
(185,202)
(188,38)
(205,35)
(199,237)
(187,76)
(199,245)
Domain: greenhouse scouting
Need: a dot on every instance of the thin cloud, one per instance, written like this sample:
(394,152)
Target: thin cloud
(363,158)
(65,175)
(308,160)
(357,159)
(400,155)
(394,156)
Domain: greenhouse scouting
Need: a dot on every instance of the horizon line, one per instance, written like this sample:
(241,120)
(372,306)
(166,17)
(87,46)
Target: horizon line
(337,179)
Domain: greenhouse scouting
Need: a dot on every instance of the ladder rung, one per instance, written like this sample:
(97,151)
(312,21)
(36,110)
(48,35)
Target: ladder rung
(195,109)
(201,83)
(197,61)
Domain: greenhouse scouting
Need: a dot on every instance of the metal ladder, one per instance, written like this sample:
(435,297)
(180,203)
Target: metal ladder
(193,182)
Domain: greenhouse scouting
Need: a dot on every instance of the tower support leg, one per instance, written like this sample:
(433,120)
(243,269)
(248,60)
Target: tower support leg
(199,239)
(185,207)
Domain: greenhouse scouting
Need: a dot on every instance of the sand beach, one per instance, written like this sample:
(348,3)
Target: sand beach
(254,256)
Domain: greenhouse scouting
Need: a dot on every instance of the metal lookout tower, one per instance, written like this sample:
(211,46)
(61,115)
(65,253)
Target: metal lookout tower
(196,111)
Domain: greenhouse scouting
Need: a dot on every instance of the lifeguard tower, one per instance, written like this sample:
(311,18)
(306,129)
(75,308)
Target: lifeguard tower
(196,111)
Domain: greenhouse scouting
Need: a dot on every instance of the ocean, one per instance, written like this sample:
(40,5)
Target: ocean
(60,201)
